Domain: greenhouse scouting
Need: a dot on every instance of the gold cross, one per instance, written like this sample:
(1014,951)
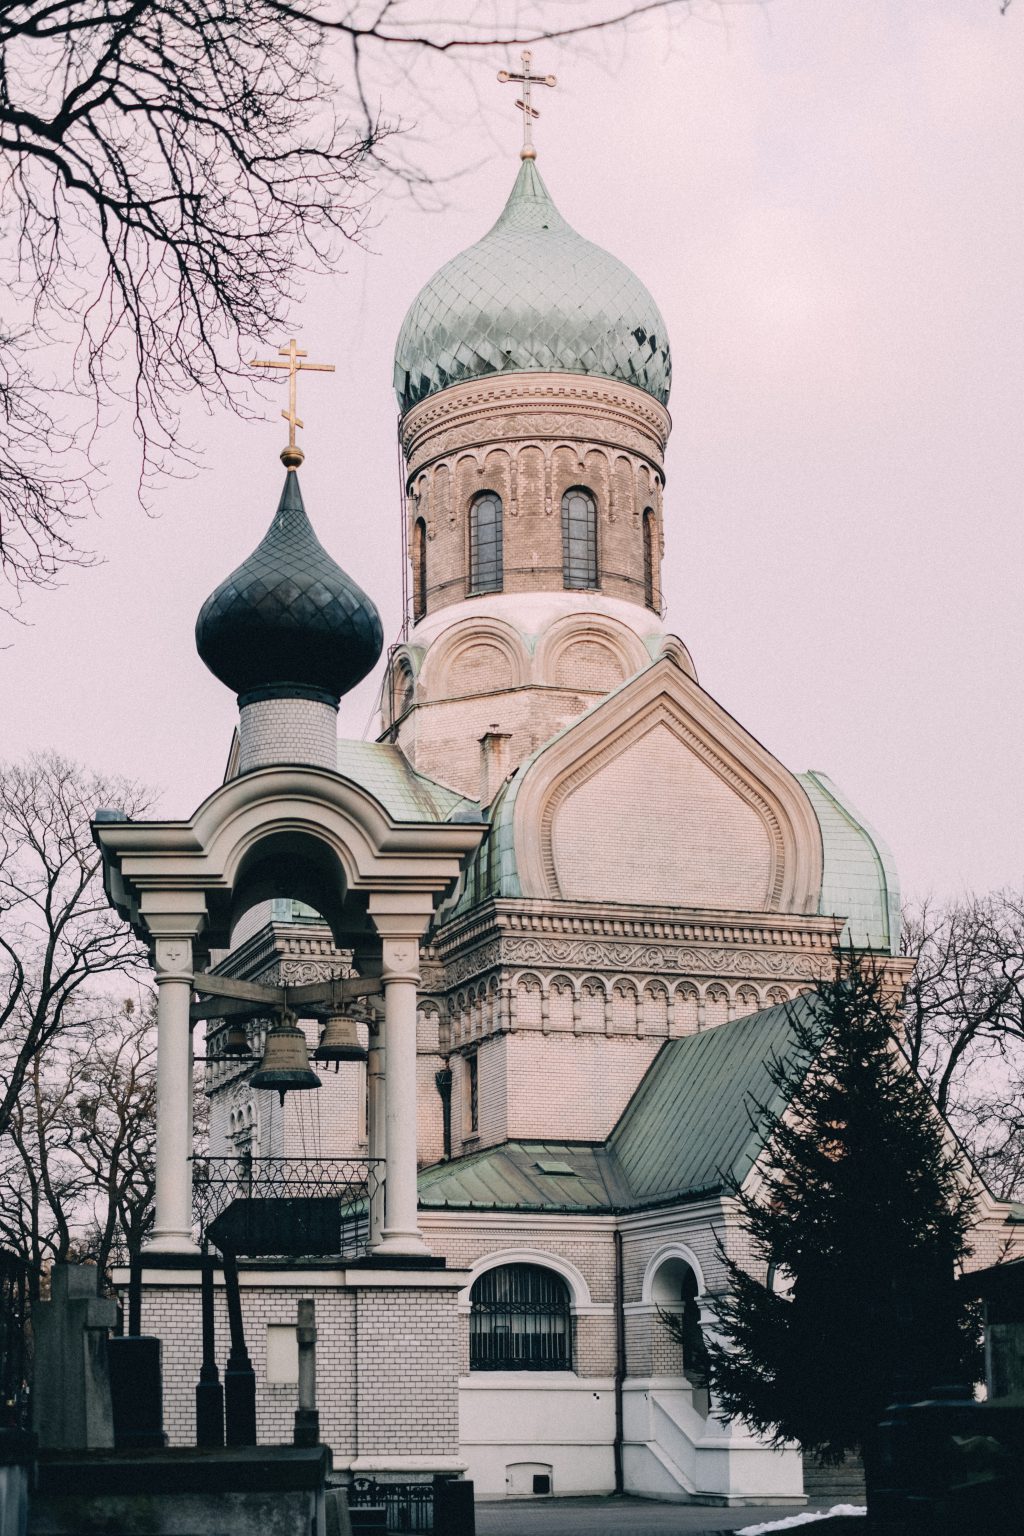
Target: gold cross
(292,456)
(526,80)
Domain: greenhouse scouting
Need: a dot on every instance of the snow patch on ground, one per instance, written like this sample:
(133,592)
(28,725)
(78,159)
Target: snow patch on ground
(805,1519)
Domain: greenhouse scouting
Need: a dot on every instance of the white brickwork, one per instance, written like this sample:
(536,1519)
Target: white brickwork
(579,1084)
(406,1349)
(287,731)
(385,1361)
(710,849)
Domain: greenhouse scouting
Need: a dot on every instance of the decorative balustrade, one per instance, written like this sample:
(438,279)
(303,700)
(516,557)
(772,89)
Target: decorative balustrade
(285,1206)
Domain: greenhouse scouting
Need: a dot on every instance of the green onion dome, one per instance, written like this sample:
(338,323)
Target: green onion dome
(532,295)
(289,623)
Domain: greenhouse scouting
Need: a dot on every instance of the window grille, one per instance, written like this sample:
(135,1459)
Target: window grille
(486,573)
(520,1320)
(649,567)
(579,538)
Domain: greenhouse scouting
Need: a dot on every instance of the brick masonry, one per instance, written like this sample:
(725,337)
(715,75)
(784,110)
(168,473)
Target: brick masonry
(287,731)
(386,1360)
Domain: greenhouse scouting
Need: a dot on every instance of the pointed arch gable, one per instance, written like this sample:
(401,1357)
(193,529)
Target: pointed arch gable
(658,794)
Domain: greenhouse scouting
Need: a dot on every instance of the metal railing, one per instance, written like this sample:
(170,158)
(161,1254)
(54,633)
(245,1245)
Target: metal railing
(409,1506)
(279,1206)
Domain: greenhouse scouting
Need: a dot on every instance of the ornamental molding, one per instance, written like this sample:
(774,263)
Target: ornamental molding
(664,694)
(664,713)
(576,400)
(606,921)
(491,431)
(664,960)
(464,967)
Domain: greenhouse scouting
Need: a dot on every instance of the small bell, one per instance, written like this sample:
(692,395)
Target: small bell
(285,1065)
(234,1041)
(339,1041)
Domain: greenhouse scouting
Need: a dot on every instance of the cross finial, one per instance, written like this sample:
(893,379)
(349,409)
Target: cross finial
(529,111)
(292,456)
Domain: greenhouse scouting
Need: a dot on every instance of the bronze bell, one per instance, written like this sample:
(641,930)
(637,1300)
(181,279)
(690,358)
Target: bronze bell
(340,1041)
(234,1041)
(285,1065)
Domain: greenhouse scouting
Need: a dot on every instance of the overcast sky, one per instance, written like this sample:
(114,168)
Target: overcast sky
(826,203)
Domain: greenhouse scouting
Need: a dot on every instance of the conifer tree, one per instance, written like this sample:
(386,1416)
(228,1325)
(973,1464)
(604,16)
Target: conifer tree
(856,1228)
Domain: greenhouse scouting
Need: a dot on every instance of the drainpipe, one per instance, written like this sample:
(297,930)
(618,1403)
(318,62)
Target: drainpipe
(620,1360)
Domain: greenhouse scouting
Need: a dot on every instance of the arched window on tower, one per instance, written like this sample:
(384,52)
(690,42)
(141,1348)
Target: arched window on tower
(650,563)
(419,569)
(486,566)
(520,1320)
(579,538)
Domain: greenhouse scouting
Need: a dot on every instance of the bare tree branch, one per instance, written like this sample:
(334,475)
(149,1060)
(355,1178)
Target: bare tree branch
(58,935)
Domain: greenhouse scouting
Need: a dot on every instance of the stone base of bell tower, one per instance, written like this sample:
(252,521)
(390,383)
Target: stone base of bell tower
(387,1356)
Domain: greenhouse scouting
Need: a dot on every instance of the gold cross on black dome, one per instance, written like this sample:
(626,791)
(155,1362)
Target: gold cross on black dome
(292,456)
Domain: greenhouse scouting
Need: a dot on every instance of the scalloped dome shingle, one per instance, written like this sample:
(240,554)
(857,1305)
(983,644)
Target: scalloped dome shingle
(532,295)
(289,620)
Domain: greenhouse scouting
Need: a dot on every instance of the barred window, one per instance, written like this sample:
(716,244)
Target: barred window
(649,563)
(520,1320)
(579,538)
(486,573)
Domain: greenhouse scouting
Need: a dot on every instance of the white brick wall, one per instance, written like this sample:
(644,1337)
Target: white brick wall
(287,731)
(386,1362)
(689,838)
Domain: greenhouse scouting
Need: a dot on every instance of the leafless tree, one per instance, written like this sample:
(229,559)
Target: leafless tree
(59,939)
(169,172)
(76,1164)
(40,1186)
(109,1128)
(963,1022)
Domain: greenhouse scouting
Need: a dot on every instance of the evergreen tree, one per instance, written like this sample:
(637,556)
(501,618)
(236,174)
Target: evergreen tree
(856,1229)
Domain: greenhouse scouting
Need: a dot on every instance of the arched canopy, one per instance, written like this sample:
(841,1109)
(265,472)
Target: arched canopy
(302,832)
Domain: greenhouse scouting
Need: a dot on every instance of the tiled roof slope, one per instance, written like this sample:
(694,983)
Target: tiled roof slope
(406,795)
(688,1127)
(686,1131)
(526,1176)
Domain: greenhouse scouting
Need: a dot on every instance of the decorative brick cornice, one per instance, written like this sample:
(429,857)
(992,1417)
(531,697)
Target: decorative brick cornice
(643,941)
(288,954)
(606,920)
(531,407)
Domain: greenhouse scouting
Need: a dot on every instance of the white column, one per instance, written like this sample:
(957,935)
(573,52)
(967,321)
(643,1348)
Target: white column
(375,1128)
(400,931)
(172,1227)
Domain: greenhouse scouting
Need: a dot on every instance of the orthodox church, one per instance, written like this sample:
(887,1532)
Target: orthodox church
(564,901)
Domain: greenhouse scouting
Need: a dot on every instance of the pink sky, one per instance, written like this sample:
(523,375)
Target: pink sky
(826,203)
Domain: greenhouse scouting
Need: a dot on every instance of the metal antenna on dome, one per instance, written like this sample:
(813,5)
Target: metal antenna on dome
(292,456)
(529,111)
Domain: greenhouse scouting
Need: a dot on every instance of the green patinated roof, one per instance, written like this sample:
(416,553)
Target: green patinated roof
(688,1126)
(687,1131)
(406,795)
(859,880)
(531,295)
(509,1178)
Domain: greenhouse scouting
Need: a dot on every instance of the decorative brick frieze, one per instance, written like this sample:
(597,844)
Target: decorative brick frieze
(532,406)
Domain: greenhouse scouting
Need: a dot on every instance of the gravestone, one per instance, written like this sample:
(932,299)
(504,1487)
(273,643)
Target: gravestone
(71,1406)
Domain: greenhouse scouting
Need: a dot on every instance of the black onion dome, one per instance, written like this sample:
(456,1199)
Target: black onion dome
(289,622)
